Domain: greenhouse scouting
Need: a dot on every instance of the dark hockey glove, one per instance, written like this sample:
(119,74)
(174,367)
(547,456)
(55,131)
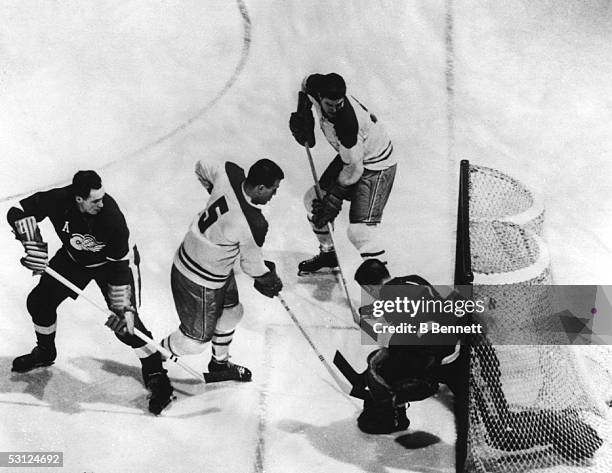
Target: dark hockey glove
(301,122)
(121,321)
(302,128)
(269,284)
(36,257)
(327,209)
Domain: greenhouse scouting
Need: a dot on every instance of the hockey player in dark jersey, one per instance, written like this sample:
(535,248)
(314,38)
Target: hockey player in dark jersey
(411,367)
(95,246)
(362,172)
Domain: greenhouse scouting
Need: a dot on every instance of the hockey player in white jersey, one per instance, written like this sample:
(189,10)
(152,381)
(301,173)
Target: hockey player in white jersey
(362,172)
(231,227)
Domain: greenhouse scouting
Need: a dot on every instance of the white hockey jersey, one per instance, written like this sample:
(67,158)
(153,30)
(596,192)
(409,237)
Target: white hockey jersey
(230,227)
(356,134)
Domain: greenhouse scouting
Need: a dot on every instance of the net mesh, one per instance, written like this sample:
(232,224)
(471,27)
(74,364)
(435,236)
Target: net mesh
(534,406)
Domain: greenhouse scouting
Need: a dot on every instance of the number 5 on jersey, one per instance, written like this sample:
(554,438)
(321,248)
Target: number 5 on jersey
(212,214)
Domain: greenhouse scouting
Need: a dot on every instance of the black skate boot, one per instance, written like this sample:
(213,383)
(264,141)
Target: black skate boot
(161,391)
(325,259)
(37,358)
(225,371)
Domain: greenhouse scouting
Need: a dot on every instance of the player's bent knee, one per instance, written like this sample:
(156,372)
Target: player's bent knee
(41,310)
(230,318)
(180,344)
(309,196)
(362,235)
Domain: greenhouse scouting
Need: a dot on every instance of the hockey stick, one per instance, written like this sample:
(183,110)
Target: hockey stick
(343,386)
(356,379)
(58,277)
(354,314)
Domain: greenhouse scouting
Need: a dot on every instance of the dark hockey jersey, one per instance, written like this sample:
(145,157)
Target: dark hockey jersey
(445,347)
(90,240)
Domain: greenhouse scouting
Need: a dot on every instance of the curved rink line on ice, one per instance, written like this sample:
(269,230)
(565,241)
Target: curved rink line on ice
(244,55)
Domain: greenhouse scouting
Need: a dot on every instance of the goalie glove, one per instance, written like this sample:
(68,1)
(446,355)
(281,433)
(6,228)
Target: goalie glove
(301,122)
(325,210)
(36,257)
(121,321)
(269,284)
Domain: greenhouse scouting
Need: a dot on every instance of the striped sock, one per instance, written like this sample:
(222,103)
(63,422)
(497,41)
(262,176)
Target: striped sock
(220,345)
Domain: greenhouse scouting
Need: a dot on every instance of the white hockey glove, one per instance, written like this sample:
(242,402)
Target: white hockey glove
(119,300)
(119,297)
(26,229)
(36,257)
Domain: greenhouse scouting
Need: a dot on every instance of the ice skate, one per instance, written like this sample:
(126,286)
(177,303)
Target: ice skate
(325,259)
(161,391)
(226,371)
(39,357)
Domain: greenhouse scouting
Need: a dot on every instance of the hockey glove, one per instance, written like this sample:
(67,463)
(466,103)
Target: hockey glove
(119,297)
(121,321)
(26,229)
(327,209)
(301,122)
(269,284)
(37,256)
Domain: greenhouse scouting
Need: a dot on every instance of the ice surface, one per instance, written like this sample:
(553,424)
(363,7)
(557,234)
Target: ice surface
(140,90)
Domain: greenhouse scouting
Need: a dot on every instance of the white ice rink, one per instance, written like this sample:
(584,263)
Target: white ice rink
(140,90)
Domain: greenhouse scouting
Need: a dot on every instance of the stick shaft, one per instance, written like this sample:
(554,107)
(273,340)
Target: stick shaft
(170,356)
(330,229)
(339,381)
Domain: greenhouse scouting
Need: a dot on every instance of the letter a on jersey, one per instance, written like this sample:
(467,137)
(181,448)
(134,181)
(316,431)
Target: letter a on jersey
(65,227)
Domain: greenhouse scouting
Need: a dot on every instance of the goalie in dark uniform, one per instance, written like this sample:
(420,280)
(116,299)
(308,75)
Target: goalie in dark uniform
(412,366)
(95,246)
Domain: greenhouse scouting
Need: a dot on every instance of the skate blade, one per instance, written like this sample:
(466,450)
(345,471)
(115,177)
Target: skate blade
(322,271)
(13,370)
(219,376)
(159,409)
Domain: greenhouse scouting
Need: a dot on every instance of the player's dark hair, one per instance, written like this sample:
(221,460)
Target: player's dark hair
(332,86)
(84,181)
(264,172)
(371,272)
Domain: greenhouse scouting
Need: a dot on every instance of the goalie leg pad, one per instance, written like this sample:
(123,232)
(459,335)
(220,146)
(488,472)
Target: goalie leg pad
(382,417)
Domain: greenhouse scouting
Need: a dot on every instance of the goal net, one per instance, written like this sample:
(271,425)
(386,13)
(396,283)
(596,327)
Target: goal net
(533,404)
